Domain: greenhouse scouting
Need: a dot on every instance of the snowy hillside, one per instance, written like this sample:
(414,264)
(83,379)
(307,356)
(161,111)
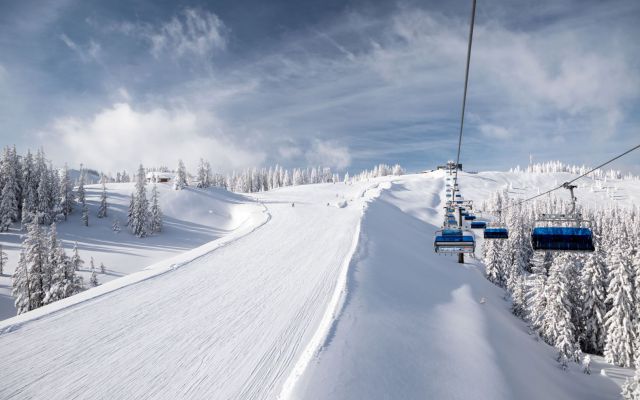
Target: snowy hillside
(192,217)
(314,292)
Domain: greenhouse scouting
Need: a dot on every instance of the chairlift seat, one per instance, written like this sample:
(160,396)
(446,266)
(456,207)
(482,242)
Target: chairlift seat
(496,233)
(469,217)
(454,241)
(562,238)
(478,224)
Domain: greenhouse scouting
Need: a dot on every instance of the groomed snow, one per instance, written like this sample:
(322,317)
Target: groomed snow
(419,325)
(233,323)
(192,217)
(303,298)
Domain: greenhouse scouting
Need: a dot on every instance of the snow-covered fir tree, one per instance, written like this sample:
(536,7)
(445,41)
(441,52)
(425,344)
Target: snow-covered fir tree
(558,328)
(132,205)
(593,292)
(103,269)
(67,197)
(85,215)
(155,214)
(93,279)
(3,259)
(181,176)
(76,261)
(102,209)
(28,279)
(81,192)
(537,303)
(139,219)
(116,226)
(619,320)
(8,191)
(204,174)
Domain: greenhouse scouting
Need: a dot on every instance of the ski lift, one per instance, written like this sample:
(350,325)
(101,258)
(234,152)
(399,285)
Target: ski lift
(450,241)
(496,233)
(563,232)
(469,217)
(478,225)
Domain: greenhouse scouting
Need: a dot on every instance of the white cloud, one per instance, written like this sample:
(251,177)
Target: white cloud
(495,131)
(328,154)
(121,137)
(193,32)
(91,52)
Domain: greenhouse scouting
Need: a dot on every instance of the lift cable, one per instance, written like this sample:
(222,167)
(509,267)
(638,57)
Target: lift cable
(464,97)
(569,182)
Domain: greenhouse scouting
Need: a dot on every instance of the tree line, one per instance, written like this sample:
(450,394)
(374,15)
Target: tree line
(577,302)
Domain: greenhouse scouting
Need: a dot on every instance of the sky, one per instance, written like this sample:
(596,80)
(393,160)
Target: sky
(345,84)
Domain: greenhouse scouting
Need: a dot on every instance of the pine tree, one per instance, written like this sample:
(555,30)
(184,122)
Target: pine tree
(155,214)
(35,255)
(103,269)
(102,210)
(593,282)
(93,280)
(116,226)
(132,205)
(538,296)
(3,259)
(85,215)
(558,328)
(81,191)
(76,261)
(140,215)
(493,262)
(9,200)
(181,178)
(74,282)
(66,193)
(58,264)
(204,174)
(22,285)
(619,325)
(43,208)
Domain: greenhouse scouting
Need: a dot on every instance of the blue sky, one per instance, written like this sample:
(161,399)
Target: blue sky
(345,84)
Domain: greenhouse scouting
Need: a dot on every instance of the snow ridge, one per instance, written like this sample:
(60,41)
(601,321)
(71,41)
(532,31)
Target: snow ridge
(335,306)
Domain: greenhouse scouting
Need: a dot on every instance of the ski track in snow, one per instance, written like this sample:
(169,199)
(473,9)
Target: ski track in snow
(231,323)
(306,299)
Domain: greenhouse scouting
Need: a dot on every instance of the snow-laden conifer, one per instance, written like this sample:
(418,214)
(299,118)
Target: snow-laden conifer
(66,193)
(102,209)
(619,320)
(138,222)
(181,176)
(593,293)
(76,261)
(155,214)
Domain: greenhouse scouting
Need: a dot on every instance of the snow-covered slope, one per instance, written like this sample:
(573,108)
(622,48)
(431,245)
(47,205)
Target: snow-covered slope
(307,299)
(419,325)
(192,217)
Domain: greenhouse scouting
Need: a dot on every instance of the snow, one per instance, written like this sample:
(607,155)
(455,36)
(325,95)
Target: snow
(192,217)
(316,291)
(413,325)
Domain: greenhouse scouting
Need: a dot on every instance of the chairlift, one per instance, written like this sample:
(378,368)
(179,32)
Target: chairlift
(453,241)
(563,232)
(496,233)
(469,217)
(478,225)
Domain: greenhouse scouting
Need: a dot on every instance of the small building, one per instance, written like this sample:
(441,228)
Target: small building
(449,166)
(160,177)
